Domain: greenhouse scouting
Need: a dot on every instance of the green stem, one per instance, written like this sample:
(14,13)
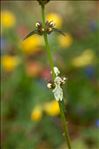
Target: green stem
(64,124)
(53,76)
(47,45)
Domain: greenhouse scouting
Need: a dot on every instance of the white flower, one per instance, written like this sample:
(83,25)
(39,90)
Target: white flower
(56,71)
(56,85)
(58,92)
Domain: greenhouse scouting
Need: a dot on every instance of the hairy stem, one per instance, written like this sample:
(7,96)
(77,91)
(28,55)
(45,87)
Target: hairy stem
(53,76)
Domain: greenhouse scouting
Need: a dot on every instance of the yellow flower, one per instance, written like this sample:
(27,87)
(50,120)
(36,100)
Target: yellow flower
(55,18)
(32,44)
(65,41)
(9,63)
(52,108)
(7,19)
(86,58)
(36,114)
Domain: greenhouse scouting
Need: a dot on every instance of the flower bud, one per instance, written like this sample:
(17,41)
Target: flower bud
(49,85)
(38,24)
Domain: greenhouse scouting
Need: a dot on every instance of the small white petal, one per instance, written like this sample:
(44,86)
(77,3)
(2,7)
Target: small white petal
(64,78)
(58,81)
(37,24)
(58,93)
(56,71)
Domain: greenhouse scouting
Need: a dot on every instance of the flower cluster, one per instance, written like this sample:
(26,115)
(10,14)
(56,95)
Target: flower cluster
(57,85)
(40,30)
(48,28)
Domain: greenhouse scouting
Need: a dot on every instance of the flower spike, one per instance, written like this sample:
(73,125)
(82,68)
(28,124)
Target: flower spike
(57,85)
(49,28)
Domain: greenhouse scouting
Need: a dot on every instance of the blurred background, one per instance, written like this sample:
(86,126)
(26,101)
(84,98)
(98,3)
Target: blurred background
(30,115)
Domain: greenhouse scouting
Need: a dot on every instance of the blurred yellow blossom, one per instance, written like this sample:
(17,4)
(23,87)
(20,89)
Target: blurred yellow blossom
(52,108)
(84,59)
(32,44)
(65,41)
(9,63)
(55,18)
(36,114)
(7,19)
